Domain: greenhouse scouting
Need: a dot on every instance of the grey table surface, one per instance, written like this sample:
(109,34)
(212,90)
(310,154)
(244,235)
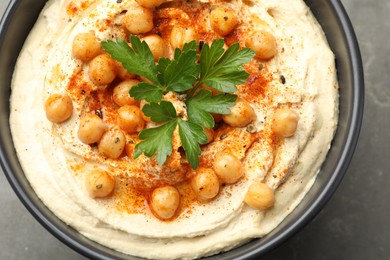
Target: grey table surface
(353,225)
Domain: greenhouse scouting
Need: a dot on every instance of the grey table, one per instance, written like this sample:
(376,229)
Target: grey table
(353,225)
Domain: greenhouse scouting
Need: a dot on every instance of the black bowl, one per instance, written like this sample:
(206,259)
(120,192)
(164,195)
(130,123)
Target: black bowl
(15,26)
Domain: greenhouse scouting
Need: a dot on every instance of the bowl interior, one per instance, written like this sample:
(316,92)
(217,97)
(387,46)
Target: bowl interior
(15,26)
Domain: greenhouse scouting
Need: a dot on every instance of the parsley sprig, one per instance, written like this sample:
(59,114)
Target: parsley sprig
(221,70)
(159,139)
(176,75)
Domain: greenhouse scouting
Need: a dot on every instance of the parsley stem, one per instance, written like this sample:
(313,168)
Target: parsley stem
(193,90)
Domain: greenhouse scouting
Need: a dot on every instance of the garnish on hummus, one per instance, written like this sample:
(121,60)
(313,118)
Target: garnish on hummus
(217,69)
(174,129)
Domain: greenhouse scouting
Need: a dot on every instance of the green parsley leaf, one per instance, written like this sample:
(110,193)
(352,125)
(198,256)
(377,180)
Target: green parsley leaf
(138,59)
(144,90)
(158,139)
(224,70)
(160,113)
(162,65)
(180,74)
(188,46)
(191,135)
(203,103)
(177,75)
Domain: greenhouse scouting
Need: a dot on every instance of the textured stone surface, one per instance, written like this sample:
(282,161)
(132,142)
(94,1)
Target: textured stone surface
(353,225)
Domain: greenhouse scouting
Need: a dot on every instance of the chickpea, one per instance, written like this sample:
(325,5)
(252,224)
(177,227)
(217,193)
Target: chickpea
(130,119)
(205,184)
(223,20)
(156,45)
(58,108)
(241,114)
(263,43)
(228,167)
(259,196)
(142,103)
(150,3)
(102,69)
(99,183)
(91,129)
(181,35)
(112,144)
(165,201)
(285,122)
(120,93)
(138,20)
(85,46)
(209,133)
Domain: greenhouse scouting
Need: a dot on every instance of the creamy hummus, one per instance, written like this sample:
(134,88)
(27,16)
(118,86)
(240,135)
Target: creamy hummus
(301,76)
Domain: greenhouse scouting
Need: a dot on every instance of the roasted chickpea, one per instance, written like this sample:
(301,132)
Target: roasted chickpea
(58,108)
(209,133)
(223,20)
(102,69)
(120,93)
(112,144)
(228,167)
(180,35)
(156,45)
(285,122)
(205,184)
(138,20)
(130,119)
(259,196)
(165,201)
(99,183)
(145,118)
(150,3)
(241,114)
(85,46)
(91,129)
(263,43)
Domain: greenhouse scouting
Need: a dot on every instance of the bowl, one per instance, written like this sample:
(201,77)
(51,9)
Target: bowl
(19,18)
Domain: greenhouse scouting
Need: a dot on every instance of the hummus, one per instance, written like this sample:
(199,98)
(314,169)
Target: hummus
(301,77)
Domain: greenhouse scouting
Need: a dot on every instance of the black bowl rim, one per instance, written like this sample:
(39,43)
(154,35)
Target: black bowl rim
(312,210)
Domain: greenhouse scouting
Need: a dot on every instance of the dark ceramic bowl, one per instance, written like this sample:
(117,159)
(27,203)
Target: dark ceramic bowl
(15,26)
